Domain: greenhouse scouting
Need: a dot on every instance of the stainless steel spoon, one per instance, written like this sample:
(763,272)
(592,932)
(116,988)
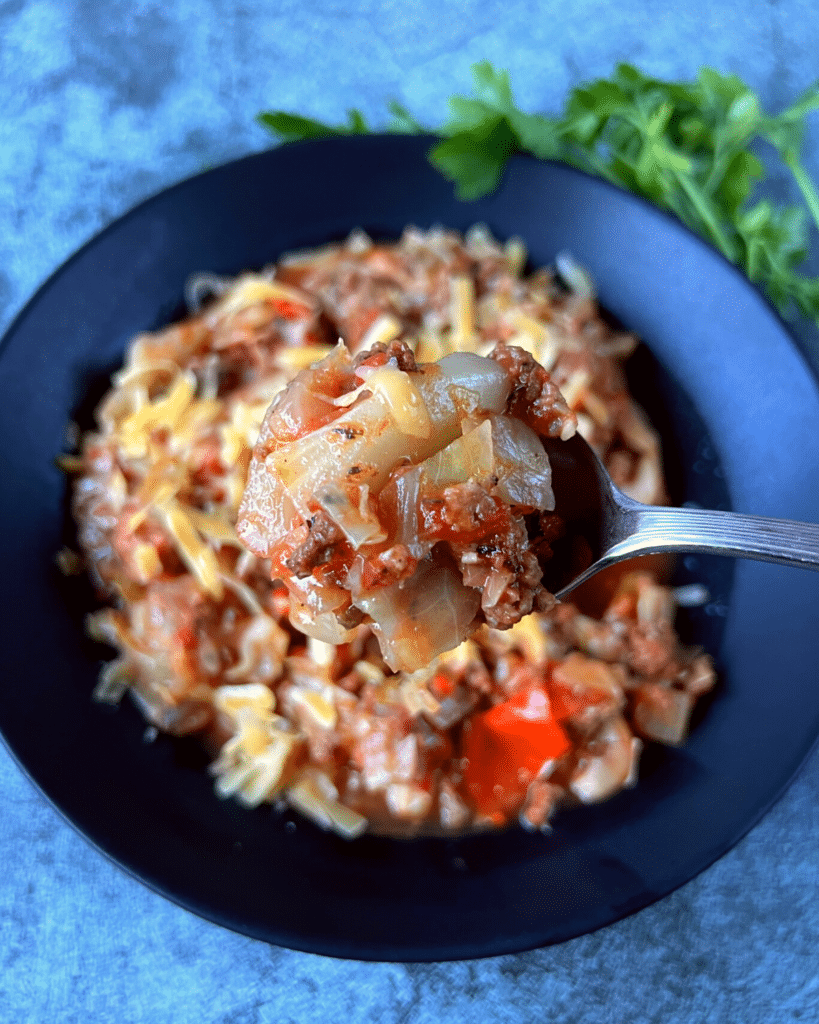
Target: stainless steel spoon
(604,526)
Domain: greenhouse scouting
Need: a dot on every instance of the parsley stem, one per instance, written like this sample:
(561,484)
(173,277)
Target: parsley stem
(590,162)
(703,208)
(806,186)
(753,260)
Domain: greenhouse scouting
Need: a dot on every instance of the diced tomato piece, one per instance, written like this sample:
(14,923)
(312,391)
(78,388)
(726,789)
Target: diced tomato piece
(280,602)
(436,527)
(441,686)
(505,747)
(185,637)
(372,362)
(288,310)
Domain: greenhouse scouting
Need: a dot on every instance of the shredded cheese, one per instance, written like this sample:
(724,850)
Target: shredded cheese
(318,706)
(215,527)
(462,312)
(146,562)
(400,395)
(431,346)
(197,556)
(384,329)
(300,357)
(253,696)
(516,255)
(250,289)
(240,433)
(312,795)
(574,389)
(163,412)
(536,337)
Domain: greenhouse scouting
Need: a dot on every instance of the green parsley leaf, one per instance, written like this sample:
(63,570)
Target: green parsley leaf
(292,127)
(402,122)
(475,159)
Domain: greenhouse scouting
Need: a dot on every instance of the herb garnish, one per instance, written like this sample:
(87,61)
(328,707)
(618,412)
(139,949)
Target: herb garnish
(689,147)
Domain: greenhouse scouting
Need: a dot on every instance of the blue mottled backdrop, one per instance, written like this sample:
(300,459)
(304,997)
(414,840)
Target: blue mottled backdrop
(104,102)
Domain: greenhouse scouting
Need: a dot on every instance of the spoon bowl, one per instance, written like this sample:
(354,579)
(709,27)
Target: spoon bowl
(605,526)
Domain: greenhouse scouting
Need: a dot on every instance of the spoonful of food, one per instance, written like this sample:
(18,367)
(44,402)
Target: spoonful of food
(604,526)
(417,499)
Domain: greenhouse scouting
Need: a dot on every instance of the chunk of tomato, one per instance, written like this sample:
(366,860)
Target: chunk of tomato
(505,749)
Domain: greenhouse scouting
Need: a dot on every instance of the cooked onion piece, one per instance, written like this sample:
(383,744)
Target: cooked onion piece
(379,488)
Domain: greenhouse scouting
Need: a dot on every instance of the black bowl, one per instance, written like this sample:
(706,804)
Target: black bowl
(740,414)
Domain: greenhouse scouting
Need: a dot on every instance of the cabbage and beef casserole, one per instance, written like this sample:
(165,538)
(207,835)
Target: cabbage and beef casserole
(372,645)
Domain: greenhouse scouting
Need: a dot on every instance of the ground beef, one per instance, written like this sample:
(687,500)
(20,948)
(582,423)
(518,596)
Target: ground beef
(501,563)
(535,399)
(396,349)
(522,592)
(322,540)
(651,648)
(390,566)
(466,507)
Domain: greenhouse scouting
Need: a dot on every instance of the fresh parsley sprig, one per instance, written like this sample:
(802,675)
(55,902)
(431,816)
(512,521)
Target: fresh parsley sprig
(694,148)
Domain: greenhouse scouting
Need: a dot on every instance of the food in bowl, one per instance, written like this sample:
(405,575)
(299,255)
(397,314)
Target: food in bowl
(510,724)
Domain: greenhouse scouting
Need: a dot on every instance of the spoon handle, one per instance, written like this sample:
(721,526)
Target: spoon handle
(719,533)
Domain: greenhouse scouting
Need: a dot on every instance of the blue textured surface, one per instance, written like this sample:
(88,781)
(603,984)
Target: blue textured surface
(104,104)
